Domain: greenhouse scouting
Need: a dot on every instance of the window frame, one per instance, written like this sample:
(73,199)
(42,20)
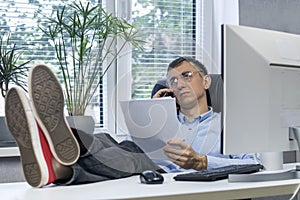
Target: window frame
(122,81)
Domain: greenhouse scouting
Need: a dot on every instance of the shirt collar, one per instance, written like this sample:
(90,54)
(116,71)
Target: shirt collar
(200,118)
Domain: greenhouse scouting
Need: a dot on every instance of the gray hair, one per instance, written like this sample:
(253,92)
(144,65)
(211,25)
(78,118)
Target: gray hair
(202,69)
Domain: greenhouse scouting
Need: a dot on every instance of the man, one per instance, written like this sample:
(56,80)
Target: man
(199,146)
(53,153)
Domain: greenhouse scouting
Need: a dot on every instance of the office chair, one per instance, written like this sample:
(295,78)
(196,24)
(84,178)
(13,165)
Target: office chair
(214,94)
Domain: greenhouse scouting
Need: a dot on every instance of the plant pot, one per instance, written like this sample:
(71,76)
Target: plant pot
(6,138)
(84,123)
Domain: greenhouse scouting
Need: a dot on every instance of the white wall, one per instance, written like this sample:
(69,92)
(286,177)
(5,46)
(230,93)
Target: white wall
(218,12)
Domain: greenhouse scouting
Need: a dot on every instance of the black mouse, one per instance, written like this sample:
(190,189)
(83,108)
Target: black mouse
(151,177)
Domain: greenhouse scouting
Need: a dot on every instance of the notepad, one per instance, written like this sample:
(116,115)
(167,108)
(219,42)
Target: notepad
(151,123)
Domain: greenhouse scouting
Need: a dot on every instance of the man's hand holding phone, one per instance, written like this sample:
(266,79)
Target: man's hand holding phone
(164,93)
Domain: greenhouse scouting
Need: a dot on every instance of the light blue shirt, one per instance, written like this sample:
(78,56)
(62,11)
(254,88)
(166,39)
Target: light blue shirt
(203,134)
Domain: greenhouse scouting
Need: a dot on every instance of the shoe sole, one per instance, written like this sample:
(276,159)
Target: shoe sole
(47,102)
(23,127)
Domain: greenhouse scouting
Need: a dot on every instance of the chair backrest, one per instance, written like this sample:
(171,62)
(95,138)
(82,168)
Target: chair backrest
(214,93)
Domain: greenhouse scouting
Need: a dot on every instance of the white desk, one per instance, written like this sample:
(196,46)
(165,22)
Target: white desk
(131,188)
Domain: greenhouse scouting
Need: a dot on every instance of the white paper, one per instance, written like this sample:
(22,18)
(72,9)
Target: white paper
(151,123)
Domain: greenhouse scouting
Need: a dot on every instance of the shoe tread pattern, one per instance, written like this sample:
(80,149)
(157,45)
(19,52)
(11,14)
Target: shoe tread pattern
(19,128)
(48,101)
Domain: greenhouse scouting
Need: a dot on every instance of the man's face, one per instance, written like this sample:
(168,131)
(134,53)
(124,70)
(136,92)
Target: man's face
(188,85)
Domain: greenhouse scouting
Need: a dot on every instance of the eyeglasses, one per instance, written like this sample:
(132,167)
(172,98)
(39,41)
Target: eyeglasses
(185,76)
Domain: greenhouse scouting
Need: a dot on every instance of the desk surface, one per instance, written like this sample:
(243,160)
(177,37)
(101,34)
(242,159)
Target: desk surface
(131,188)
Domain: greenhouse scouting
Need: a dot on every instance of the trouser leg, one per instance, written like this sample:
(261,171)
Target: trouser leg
(104,157)
(132,147)
(86,140)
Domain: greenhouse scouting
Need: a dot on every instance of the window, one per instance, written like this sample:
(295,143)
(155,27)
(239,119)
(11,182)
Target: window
(21,20)
(170,28)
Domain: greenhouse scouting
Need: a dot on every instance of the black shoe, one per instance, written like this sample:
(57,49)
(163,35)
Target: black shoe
(47,102)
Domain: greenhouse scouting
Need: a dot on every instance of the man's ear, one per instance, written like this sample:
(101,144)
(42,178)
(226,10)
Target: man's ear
(207,81)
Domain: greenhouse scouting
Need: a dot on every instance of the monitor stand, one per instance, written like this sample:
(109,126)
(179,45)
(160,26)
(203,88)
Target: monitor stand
(273,163)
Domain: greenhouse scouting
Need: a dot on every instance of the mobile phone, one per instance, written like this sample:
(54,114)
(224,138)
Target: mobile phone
(167,94)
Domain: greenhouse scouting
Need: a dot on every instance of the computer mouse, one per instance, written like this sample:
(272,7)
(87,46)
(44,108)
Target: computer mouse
(151,177)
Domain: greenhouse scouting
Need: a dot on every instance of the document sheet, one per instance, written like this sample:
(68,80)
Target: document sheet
(151,123)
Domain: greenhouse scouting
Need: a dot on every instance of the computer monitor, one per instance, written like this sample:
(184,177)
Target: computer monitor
(261,74)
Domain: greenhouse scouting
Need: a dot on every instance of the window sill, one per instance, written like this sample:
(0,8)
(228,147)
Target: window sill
(9,151)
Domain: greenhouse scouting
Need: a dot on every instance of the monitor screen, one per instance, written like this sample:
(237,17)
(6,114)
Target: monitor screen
(261,73)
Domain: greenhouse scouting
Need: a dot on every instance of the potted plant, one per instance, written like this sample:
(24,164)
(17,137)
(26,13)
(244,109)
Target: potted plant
(84,38)
(12,71)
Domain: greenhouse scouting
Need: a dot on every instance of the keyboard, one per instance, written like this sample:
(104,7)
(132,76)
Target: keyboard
(218,173)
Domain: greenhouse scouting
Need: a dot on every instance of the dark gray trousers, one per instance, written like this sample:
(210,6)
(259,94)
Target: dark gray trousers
(102,158)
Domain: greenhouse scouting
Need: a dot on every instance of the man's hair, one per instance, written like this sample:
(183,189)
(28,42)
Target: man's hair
(202,69)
